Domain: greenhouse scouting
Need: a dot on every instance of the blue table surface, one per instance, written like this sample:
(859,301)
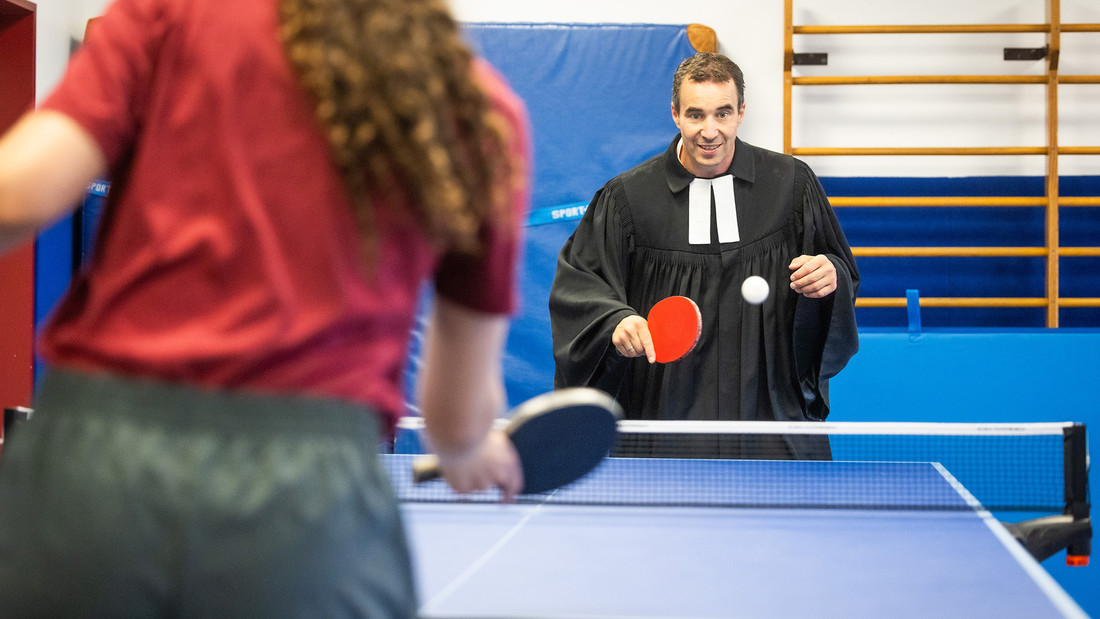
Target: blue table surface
(560,559)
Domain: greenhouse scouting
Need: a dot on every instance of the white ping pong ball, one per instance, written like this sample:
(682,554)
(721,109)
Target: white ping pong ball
(754,289)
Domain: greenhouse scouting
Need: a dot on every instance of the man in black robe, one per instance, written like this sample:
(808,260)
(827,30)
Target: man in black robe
(673,226)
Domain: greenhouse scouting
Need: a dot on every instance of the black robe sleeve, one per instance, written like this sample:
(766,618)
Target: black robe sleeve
(825,335)
(588,295)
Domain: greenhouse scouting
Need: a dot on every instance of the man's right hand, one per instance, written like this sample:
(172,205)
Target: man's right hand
(632,338)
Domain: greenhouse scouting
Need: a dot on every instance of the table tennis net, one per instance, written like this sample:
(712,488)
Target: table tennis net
(855,465)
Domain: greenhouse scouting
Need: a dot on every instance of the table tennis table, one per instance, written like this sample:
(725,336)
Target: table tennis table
(730,538)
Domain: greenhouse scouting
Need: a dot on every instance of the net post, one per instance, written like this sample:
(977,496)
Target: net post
(1077,493)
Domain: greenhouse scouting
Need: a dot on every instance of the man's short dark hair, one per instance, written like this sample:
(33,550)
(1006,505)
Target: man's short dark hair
(707,67)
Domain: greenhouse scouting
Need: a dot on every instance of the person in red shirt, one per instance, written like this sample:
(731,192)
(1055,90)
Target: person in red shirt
(285,177)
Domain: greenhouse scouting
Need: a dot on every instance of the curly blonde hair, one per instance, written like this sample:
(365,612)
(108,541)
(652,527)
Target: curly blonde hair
(406,121)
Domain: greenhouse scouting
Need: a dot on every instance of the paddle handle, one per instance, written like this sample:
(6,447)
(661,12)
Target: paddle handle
(425,468)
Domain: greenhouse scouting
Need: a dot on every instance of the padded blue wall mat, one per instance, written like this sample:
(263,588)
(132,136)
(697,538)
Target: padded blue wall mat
(598,95)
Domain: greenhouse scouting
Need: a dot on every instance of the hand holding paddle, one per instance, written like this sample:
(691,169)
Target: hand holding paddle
(493,463)
(559,436)
(669,333)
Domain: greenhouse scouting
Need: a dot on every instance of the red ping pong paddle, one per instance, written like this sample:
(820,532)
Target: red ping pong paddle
(560,436)
(674,324)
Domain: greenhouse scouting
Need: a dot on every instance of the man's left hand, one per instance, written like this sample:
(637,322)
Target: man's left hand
(813,277)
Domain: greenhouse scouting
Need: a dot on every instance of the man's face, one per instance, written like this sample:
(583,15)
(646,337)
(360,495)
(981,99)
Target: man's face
(708,120)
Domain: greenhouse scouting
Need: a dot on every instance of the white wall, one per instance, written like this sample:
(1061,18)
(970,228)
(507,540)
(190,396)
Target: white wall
(61,26)
(751,32)
(945,115)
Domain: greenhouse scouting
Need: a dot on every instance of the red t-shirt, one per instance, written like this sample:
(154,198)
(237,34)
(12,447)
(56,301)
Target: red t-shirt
(227,254)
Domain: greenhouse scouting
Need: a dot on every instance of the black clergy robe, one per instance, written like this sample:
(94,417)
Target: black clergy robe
(752,362)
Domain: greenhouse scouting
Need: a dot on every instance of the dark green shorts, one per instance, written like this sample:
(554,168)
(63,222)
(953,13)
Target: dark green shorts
(127,498)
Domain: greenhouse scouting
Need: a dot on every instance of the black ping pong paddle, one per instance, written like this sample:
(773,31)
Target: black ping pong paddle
(674,325)
(560,436)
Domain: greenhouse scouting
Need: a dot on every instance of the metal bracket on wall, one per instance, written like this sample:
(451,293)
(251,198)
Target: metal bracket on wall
(811,58)
(1026,53)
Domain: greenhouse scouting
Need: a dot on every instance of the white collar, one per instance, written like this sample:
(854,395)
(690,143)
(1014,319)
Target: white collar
(725,207)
